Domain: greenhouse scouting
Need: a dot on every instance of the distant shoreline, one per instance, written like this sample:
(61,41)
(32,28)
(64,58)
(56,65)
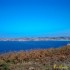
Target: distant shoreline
(33,40)
(37,39)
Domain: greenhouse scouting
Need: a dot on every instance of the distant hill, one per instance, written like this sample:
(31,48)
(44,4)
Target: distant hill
(35,39)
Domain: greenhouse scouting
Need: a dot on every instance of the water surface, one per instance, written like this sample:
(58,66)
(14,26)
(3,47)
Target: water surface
(7,46)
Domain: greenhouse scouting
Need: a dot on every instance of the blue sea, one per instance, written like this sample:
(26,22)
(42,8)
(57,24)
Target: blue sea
(10,46)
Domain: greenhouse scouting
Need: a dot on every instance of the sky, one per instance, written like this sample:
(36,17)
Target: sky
(34,18)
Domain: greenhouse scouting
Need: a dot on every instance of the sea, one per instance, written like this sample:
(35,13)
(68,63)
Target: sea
(14,46)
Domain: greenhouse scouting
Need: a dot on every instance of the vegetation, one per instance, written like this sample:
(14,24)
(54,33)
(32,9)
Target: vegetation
(42,59)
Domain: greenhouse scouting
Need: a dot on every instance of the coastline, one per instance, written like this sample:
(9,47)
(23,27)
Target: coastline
(33,40)
(42,59)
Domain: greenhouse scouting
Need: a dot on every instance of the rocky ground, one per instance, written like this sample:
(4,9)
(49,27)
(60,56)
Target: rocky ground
(42,59)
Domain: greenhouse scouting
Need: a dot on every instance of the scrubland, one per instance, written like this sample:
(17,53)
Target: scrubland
(41,59)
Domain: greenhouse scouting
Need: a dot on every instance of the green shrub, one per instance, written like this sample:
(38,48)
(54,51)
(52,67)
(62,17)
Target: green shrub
(4,67)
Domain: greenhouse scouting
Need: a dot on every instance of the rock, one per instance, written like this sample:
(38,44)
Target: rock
(31,68)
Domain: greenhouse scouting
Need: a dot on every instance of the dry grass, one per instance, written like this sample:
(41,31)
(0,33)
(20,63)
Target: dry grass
(36,59)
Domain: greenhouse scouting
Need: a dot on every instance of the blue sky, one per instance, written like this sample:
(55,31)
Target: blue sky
(34,18)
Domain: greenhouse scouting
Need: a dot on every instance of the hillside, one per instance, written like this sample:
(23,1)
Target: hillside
(42,59)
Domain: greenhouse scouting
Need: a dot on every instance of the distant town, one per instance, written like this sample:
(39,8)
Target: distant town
(37,39)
